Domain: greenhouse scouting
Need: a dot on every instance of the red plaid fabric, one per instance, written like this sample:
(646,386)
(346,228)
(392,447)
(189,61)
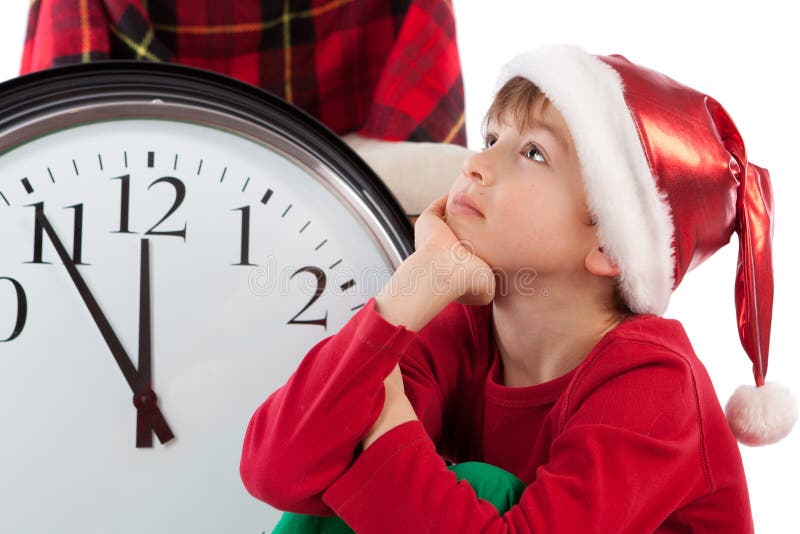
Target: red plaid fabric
(388,69)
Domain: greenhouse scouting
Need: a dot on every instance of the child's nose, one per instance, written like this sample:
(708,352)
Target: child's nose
(477,166)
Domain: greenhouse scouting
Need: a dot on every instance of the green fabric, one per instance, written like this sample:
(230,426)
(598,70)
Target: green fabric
(490,483)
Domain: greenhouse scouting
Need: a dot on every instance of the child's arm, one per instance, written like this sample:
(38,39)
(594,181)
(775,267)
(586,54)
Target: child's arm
(475,285)
(630,453)
(308,431)
(415,307)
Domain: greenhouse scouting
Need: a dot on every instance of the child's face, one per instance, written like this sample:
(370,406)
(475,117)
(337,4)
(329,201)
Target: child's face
(529,188)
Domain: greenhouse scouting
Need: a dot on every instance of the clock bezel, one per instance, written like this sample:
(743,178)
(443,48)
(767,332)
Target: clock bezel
(67,96)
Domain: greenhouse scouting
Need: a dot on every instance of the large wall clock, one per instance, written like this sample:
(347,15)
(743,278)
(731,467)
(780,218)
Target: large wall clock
(172,243)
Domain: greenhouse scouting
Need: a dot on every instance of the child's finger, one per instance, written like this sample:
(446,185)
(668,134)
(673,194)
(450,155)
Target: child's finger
(438,206)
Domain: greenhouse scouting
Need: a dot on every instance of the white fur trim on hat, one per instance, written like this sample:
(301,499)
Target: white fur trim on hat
(634,218)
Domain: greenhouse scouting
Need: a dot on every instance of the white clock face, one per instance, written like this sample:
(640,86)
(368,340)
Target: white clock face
(253,257)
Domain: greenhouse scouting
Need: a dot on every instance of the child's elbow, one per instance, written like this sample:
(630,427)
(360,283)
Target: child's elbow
(269,473)
(261,470)
(263,481)
(279,491)
(260,484)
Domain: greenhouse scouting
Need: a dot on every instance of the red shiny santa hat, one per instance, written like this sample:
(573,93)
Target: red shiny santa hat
(668,180)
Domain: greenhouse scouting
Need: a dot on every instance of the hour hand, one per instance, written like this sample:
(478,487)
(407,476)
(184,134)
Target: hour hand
(144,398)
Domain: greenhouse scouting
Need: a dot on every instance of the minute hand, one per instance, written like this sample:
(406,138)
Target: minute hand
(148,419)
(137,384)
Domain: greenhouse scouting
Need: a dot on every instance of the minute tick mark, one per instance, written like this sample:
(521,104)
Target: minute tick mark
(75,166)
(245,184)
(287,210)
(304,227)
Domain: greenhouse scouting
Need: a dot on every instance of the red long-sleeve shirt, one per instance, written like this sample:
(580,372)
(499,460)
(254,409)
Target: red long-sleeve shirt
(631,440)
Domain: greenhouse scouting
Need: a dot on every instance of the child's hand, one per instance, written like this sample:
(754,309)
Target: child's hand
(397,408)
(471,274)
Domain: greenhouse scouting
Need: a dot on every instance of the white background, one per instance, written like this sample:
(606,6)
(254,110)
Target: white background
(743,55)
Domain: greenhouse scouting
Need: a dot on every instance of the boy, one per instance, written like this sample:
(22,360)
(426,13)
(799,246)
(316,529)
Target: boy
(606,182)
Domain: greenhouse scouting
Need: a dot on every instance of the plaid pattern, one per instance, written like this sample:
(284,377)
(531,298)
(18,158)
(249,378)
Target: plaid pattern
(388,69)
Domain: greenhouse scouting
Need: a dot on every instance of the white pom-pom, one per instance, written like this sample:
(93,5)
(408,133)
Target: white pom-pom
(761,415)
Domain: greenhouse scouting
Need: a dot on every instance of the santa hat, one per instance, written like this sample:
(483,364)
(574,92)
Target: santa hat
(668,180)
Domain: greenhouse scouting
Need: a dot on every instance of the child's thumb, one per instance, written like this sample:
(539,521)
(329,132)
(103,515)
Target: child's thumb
(438,206)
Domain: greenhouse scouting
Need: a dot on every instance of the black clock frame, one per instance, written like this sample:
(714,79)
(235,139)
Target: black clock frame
(25,98)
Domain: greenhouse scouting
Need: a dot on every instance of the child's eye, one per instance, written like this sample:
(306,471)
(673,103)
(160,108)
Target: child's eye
(530,148)
(533,148)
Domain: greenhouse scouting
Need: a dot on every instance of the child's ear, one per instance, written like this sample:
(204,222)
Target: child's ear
(597,262)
